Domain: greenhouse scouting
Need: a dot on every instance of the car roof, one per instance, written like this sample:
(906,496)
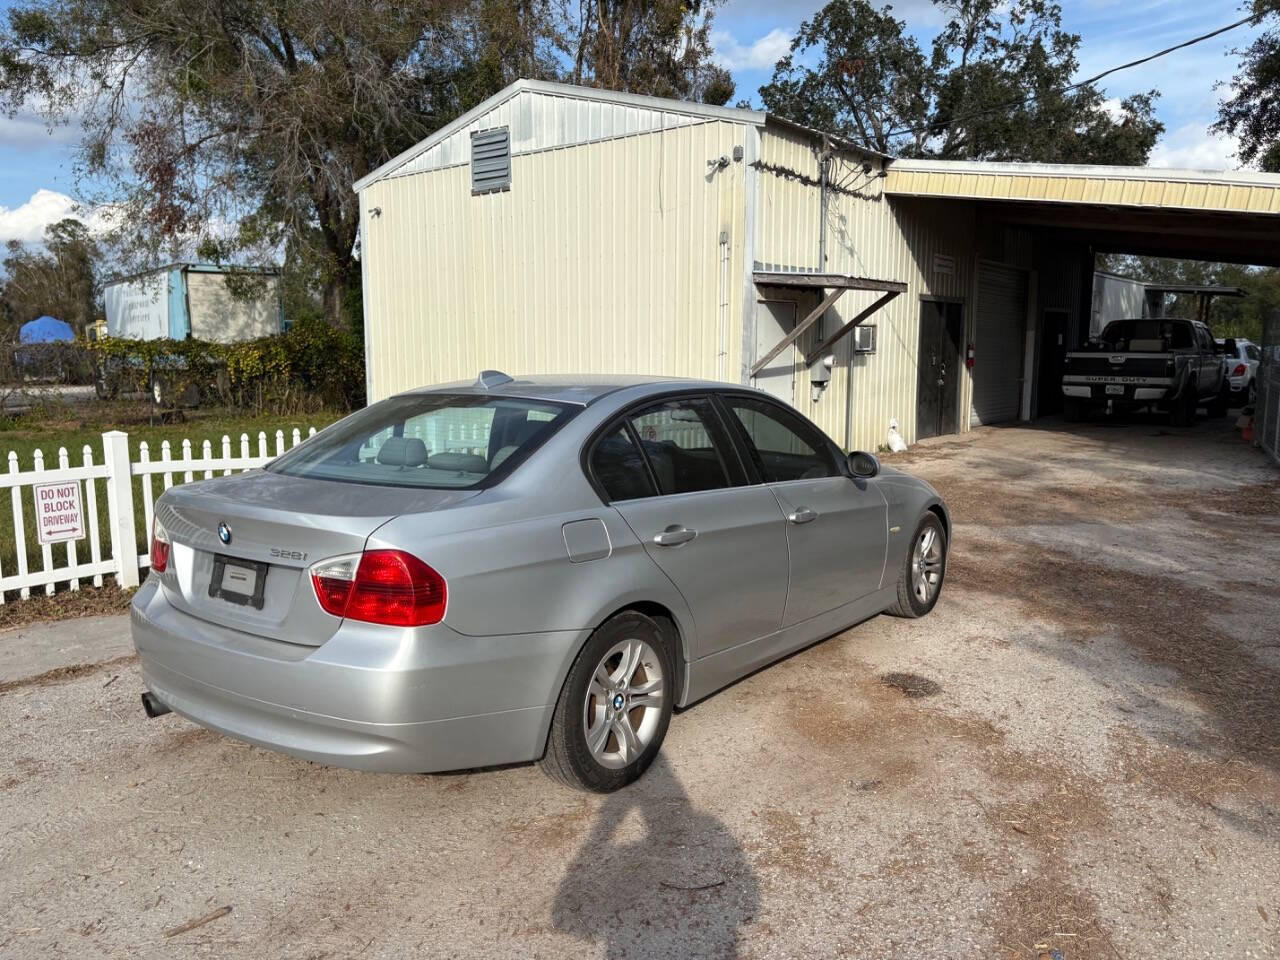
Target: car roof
(582,389)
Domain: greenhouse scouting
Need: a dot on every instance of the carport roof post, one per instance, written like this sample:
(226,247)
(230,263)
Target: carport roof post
(835,282)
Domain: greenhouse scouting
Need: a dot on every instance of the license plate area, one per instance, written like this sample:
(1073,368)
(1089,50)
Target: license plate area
(1115,389)
(241,582)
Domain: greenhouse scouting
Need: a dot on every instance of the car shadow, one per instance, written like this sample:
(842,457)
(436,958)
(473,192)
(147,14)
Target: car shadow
(657,876)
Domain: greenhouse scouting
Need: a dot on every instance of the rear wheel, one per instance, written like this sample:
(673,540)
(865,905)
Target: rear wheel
(1183,411)
(615,707)
(920,581)
(1217,407)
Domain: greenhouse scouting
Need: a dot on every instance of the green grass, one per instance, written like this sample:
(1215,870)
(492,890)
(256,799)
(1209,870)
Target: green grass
(51,428)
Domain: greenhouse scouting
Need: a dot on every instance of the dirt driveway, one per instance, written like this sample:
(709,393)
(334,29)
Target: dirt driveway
(1098,775)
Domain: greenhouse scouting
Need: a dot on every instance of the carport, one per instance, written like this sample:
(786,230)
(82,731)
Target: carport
(1039,227)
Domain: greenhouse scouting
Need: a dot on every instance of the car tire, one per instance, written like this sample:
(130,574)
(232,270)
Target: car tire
(1182,413)
(1251,394)
(1217,407)
(929,540)
(587,748)
(1073,411)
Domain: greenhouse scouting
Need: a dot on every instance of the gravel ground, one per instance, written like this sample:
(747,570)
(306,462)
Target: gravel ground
(1097,771)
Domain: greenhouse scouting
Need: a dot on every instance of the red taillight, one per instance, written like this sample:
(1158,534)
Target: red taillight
(380,586)
(1239,371)
(159,547)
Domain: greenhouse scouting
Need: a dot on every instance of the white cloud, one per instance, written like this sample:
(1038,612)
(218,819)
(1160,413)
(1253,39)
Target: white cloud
(1193,147)
(762,54)
(26,223)
(29,130)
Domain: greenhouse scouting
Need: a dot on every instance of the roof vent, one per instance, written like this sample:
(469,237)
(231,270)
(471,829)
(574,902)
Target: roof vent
(489,379)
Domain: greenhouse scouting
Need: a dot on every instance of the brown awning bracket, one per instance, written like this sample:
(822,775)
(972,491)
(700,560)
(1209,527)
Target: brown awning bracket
(821,349)
(837,283)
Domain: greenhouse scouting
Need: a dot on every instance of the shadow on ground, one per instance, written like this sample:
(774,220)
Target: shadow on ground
(657,877)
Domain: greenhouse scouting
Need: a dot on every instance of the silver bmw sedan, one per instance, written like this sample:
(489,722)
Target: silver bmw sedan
(512,570)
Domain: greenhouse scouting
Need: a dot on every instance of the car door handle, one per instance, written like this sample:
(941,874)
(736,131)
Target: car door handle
(673,536)
(802,515)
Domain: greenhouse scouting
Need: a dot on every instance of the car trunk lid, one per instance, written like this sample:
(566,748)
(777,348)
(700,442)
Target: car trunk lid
(241,545)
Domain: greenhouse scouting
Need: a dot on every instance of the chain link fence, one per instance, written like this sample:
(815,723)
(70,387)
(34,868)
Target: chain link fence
(1267,414)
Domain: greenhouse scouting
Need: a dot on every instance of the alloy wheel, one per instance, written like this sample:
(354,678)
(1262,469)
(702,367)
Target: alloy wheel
(623,707)
(926,564)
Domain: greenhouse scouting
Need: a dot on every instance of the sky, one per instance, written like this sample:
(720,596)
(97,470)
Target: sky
(38,182)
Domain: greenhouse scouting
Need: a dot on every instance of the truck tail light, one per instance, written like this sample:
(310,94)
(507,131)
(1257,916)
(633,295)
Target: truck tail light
(380,586)
(159,546)
(1239,371)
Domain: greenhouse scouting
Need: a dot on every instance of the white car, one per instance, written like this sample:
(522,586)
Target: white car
(1241,361)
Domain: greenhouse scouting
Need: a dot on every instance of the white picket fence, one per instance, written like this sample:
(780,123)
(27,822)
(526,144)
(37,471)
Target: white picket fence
(64,562)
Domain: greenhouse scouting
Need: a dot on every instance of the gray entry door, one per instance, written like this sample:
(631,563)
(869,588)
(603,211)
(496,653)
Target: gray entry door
(1000,324)
(941,330)
(774,320)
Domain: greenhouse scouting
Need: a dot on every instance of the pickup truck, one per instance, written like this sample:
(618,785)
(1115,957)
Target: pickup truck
(1169,363)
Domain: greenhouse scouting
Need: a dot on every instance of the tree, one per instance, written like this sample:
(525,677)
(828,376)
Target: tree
(993,88)
(236,128)
(59,280)
(657,47)
(1252,112)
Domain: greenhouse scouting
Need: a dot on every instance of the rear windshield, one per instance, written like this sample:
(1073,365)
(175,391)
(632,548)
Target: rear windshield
(1147,336)
(447,441)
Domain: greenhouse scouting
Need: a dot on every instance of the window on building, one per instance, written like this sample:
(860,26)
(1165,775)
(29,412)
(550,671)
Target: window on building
(491,160)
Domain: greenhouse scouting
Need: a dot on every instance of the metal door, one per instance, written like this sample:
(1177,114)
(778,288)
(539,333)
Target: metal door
(999,335)
(937,389)
(774,320)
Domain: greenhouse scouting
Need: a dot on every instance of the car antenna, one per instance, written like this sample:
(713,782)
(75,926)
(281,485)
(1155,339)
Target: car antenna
(492,378)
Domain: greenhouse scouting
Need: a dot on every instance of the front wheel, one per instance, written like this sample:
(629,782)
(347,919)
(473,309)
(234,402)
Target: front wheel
(920,580)
(615,707)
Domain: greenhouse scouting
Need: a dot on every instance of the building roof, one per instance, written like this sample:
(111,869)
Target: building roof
(195,267)
(1224,191)
(624,121)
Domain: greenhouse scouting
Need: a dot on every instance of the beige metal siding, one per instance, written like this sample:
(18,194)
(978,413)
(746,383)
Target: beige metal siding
(1112,186)
(603,257)
(218,316)
(868,235)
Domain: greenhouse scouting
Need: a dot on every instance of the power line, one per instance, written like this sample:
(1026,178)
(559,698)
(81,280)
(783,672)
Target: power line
(1080,83)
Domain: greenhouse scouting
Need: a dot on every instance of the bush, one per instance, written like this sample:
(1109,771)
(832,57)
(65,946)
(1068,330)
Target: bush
(311,366)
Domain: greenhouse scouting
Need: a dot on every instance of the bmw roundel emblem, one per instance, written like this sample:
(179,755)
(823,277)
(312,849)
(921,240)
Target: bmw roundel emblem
(224,531)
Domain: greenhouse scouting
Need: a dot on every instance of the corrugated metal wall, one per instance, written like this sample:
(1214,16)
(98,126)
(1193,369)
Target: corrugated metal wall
(602,257)
(540,121)
(871,236)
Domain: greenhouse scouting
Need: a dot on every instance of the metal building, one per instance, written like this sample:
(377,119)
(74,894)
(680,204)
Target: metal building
(558,228)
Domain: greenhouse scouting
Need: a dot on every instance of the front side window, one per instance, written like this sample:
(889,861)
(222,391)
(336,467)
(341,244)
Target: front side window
(786,447)
(428,440)
(679,441)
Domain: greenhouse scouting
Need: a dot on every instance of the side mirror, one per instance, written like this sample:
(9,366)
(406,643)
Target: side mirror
(863,465)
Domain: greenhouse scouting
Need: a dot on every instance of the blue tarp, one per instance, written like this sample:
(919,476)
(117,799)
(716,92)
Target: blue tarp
(45,330)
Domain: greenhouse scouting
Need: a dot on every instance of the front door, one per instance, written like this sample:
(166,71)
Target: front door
(774,320)
(941,324)
(723,546)
(836,526)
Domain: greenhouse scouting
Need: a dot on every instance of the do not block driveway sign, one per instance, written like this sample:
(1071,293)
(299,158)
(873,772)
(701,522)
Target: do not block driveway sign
(59,511)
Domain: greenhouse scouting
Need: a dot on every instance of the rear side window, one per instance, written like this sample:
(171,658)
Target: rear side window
(786,447)
(1252,352)
(440,441)
(679,441)
(619,467)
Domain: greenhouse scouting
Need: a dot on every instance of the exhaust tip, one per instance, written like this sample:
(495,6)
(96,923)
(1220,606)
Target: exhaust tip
(154,706)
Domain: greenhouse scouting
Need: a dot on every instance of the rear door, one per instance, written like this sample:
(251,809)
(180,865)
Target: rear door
(836,525)
(720,541)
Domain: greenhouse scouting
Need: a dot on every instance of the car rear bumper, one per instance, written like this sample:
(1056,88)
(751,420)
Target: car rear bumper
(382,699)
(1127,392)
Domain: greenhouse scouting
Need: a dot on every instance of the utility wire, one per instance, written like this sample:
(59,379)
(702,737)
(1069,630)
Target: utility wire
(1253,18)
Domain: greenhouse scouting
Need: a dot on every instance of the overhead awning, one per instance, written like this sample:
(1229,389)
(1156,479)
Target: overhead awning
(836,284)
